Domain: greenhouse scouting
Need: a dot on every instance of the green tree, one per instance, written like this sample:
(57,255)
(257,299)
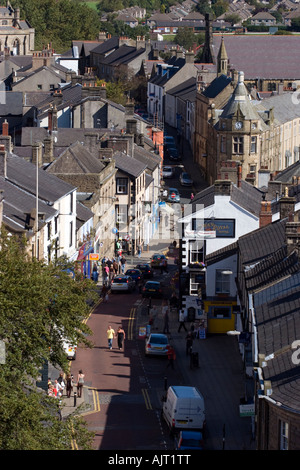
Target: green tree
(59,21)
(185,37)
(37,301)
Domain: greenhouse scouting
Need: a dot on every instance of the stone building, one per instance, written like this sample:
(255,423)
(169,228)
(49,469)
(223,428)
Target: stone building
(16,35)
(260,135)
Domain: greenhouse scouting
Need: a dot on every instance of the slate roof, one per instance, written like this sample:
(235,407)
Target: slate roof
(247,196)
(272,269)
(11,104)
(216,86)
(186,90)
(106,46)
(23,175)
(18,204)
(262,56)
(123,55)
(76,159)
(221,254)
(129,165)
(278,325)
(261,243)
(151,160)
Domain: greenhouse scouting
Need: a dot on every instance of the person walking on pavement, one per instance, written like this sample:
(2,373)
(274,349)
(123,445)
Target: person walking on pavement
(120,337)
(110,336)
(166,321)
(80,382)
(171,357)
(189,343)
(181,321)
(69,386)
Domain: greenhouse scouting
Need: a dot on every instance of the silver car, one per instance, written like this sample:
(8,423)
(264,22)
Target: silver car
(157,344)
(168,171)
(185,179)
(122,283)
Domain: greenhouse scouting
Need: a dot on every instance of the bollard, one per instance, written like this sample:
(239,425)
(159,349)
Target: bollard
(75,398)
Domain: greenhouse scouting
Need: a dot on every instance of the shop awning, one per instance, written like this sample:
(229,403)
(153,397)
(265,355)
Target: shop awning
(165,207)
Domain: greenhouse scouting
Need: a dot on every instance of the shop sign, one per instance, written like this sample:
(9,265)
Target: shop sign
(94,256)
(247,410)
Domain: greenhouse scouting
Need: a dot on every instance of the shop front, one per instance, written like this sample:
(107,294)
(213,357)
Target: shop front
(220,315)
(84,263)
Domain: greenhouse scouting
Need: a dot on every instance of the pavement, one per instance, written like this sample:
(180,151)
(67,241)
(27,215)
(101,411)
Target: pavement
(219,376)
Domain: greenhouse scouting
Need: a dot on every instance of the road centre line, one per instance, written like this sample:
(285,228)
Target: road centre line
(131,323)
(147,399)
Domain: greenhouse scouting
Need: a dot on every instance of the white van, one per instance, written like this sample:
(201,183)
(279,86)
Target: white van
(184,408)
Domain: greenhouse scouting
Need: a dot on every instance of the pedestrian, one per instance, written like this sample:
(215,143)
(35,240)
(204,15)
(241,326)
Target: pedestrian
(115,267)
(171,357)
(181,321)
(80,382)
(173,301)
(189,343)
(61,382)
(103,291)
(123,264)
(58,388)
(166,321)
(139,251)
(110,336)
(120,337)
(106,270)
(69,386)
(192,196)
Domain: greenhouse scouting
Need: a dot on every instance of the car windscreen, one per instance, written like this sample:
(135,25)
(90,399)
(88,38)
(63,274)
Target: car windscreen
(158,340)
(120,279)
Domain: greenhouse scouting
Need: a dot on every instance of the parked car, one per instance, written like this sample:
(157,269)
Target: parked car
(152,289)
(173,195)
(168,172)
(136,275)
(189,440)
(156,344)
(158,260)
(185,179)
(169,139)
(146,270)
(173,153)
(122,283)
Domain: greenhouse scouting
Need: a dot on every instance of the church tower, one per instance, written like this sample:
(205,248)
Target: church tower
(207,54)
(222,61)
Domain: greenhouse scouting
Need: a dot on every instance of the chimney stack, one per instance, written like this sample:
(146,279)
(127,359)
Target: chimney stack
(5,128)
(265,215)
(286,204)
(3,161)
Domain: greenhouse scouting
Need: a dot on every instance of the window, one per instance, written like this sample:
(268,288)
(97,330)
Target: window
(222,282)
(223,143)
(71,203)
(253,144)
(252,168)
(121,214)
(196,281)
(238,145)
(49,230)
(196,251)
(71,234)
(219,312)
(40,87)
(284,435)
(122,185)
(271,86)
